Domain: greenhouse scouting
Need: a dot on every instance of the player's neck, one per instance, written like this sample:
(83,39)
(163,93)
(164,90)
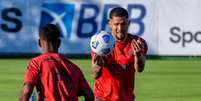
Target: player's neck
(124,39)
(50,49)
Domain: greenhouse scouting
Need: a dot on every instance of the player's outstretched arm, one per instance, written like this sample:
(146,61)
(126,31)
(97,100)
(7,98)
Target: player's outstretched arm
(26,92)
(84,89)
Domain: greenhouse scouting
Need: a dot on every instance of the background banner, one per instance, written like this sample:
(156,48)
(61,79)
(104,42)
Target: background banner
(179,27)
(170,27)
(19,20)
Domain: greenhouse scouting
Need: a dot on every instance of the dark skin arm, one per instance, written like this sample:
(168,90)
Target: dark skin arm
(140,59)
(26,92)
(139,62)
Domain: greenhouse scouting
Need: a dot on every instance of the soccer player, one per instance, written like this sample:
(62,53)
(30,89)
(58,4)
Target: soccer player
(55,77)
(115,73)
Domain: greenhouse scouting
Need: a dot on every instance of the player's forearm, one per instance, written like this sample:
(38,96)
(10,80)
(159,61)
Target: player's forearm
(96,71)
(25,93)
(139,63)
(96,75)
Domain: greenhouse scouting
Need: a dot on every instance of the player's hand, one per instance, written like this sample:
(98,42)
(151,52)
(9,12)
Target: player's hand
(96,71)
(100,60)
(137,46)
(97,66)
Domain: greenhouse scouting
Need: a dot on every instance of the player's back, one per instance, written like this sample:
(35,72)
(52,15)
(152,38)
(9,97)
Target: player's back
(59,78)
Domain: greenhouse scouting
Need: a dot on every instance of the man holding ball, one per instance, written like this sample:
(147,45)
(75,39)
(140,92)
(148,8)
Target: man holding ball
(114,73)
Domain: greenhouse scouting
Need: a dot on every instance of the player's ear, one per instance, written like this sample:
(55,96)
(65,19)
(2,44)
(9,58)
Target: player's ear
(39,42)
(129,22)
(110,23)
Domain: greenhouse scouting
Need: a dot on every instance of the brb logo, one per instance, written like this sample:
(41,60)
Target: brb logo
(59,14)
(63,15)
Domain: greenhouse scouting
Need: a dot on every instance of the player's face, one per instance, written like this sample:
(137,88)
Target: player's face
(119,27)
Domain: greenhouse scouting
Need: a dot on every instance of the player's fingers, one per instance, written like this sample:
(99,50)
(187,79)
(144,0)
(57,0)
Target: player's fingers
(134,47)
(137,45)
(139,41)
(95,67)
(95,59)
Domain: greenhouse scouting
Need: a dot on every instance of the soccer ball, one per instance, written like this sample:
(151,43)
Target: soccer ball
(102,43)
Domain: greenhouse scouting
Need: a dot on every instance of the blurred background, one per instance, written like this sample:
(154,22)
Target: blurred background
(172,29)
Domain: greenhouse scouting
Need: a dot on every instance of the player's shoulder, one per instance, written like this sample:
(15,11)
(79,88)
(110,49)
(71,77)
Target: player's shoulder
(71,65)
(35,61)
(134,36)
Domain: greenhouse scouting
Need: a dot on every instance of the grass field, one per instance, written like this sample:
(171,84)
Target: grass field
(162,80)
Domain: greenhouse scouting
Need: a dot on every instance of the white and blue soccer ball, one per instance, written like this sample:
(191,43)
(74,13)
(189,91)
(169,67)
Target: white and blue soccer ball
(102,43)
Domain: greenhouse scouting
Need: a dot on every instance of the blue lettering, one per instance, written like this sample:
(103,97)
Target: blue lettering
(107,7)
(88,25)
(83,23)
(139,19)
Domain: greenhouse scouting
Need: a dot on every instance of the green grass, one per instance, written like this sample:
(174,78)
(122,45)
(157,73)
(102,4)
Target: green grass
(162,80)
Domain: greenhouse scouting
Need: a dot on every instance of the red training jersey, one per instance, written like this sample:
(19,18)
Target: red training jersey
(55,77)
(116,82)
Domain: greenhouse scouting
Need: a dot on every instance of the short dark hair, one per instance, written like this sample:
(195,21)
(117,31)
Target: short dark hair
(119,12)
(49,32)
